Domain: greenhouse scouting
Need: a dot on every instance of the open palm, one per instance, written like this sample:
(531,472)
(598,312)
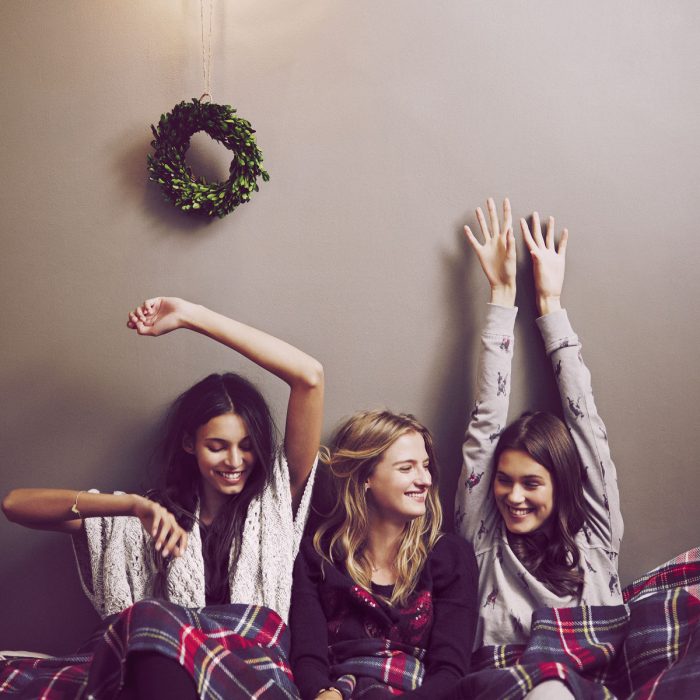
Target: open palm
(497,253)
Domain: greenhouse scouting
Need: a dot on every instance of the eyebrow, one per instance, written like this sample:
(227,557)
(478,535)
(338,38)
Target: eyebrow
(526,476)
(410,461)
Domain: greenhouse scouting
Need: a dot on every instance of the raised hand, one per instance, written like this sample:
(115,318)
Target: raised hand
(548,262)
(161,525)
(497,253)
(157,316)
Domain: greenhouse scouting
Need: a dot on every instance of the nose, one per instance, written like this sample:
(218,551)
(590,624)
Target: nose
(235,458)
(424,478)
(516,494)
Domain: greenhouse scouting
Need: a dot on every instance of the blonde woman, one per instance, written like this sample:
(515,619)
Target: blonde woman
(382,602)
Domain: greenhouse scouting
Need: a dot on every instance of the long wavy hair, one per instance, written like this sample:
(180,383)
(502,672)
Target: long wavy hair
(550,554)
(358,445)
(178,491)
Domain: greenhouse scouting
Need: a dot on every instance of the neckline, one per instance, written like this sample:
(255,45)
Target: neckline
(385,589)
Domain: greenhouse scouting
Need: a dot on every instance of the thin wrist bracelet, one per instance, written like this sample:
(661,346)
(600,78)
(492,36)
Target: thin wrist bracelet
(74,507)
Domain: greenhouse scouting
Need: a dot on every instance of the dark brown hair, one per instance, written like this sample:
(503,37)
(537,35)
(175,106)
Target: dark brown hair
(550,554)
(213,396)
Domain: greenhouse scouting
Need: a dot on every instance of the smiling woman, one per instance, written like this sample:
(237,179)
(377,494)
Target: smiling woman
(382,600)
(224,453)
(546,529)
(223,526)
(398,487)
(523,491)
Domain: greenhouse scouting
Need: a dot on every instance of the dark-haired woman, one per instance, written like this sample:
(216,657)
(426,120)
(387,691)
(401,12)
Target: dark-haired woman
(226,522)
(538,500)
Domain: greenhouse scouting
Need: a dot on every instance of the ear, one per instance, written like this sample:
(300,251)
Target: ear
(188,444)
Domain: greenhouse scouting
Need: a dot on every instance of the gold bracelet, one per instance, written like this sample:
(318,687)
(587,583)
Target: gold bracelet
(74,507)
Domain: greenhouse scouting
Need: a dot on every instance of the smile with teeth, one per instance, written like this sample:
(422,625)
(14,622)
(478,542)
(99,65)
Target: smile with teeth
(519,512)
(231,477)
(416,495)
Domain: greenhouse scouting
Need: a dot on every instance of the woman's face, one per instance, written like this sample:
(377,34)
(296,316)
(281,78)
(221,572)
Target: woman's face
(398,487)
(224,453)
(524,492)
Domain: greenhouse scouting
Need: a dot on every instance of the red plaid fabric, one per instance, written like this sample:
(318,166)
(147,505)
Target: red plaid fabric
(379,666)
(683,571)
(231,651)
(648,648)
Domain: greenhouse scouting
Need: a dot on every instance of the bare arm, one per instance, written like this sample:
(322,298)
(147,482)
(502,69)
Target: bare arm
(63,510)
(301,372)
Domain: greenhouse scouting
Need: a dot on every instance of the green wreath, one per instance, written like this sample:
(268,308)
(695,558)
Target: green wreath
(177,182)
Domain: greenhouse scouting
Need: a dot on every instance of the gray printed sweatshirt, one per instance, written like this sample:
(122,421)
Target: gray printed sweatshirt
(508,592)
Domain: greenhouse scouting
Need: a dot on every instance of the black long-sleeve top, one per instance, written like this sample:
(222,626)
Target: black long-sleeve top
(330,613)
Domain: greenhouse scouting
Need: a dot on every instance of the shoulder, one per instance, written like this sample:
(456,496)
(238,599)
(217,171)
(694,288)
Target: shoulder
(308,557)
(452,556)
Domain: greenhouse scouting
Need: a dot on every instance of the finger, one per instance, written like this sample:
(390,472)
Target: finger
(537,229)
(493,216)
(507,215)
(549,239)
(157,518)
(182,546)
(472,238)
(525,229)
(173,539)
(131,323)
(510,243)
(562,242)
(139,312)
(162,534)
(164,525)
(482,223)
(144,328)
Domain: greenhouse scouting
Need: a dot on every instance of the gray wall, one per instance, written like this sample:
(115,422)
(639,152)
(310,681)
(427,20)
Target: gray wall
(383,125)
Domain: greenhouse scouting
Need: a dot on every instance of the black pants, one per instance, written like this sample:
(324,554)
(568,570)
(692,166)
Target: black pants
(152,676)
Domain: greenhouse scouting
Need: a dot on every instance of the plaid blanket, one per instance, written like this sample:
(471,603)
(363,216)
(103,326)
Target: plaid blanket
(647,648)
(231,651)
(376,667)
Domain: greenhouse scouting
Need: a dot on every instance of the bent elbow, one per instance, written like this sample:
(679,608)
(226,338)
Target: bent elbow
(313,375)
(9,506)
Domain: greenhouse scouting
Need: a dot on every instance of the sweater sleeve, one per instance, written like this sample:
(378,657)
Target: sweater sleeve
(586,427)
(307,624)
(475,511)
(455,610)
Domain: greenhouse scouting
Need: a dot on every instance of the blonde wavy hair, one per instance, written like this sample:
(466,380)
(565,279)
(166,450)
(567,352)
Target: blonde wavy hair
(358,445)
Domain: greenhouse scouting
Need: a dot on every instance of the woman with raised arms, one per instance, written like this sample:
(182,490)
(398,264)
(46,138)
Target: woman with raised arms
(538,499)
(225,523)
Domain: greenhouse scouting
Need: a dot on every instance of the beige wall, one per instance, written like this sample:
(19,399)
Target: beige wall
(383,125)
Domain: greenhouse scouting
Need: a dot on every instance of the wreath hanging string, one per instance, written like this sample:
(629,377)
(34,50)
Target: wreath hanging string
(177,182)
(171,139)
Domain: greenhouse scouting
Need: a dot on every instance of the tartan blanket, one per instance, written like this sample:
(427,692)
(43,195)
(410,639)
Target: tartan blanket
(372,668)
(231,651)
(647,648)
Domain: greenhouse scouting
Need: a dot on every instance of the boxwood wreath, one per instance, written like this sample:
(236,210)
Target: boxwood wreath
(178,184)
